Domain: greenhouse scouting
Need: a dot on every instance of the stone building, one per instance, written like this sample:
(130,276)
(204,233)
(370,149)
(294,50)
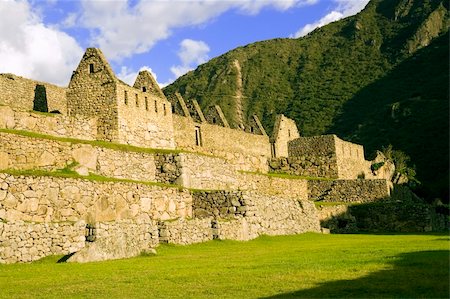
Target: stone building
(111,170)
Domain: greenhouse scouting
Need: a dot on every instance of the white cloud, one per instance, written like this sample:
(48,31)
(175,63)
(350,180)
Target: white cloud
(31,49)
(121,30)
(191,54)
(343,9)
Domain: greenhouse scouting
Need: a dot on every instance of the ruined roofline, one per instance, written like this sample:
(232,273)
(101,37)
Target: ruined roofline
(259,124)
(12,76)
(276,128)
(107,66)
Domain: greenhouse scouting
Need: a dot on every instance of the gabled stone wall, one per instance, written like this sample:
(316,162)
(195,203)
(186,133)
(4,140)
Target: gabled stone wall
(144,119)
(284,130)
(92,93)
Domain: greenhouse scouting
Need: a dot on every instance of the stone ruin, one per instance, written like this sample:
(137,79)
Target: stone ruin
(101,170)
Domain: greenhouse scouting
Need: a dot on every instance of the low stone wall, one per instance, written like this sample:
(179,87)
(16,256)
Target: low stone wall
(403,211)
(314,166)
(234,229)
(218,204)
(20,152)
(270,185)
(51,199)
(51,124)
(386,216)
(26,242)
(204,172)
(116,240)
(247,152)
(186,231)
(348,190)
(272,215)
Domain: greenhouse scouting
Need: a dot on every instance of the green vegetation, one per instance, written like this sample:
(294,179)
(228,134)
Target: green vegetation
(301,266)
(364,78)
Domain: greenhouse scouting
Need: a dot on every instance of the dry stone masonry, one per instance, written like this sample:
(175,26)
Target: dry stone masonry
(101,170)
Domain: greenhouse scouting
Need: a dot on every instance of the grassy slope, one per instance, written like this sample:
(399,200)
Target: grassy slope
(309,265)
(316,80)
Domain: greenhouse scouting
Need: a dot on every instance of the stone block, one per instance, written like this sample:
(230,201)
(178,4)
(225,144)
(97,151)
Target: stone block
(86,156)
(46,159)
(4,160)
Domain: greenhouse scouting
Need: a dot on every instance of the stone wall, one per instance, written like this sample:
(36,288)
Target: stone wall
(309,156)
(234,229)
(51,199)
(185,231)
(118,239)
(324,156)
(348,190)
(26,242)
(285,130)
(20,152)
(269,185)
(313,166)
(246,151)
(92,93)
(51,124)
(350,160)
(218,204)
(144,118)
(398,214)
(168,168)
(273,215)
(205,172)
(20,93)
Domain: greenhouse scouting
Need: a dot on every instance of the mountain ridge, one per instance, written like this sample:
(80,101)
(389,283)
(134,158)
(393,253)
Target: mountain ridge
(314,79)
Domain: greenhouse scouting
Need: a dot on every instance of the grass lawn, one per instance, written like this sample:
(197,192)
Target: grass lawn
(301,266)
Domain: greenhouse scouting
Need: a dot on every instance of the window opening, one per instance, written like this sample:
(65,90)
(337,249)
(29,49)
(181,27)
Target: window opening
(198,137)
(144,89)
(91,68)
(126,97)
(90,233)
(164,109)
(137,100)
(146,103)
(156,106)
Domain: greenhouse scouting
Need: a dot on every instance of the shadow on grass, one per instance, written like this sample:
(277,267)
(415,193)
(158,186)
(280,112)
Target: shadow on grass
(423,274)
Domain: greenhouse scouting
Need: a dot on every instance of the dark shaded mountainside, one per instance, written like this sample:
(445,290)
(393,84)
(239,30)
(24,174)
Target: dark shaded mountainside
(377,78)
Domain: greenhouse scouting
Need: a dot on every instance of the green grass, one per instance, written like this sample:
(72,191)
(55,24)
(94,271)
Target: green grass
(301,266)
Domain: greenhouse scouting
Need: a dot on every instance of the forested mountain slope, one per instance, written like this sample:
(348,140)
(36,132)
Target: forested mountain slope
(377,78)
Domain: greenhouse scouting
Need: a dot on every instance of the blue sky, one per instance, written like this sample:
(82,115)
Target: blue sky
(45,39)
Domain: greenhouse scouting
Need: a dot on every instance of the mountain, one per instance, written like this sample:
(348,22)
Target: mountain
(377,78)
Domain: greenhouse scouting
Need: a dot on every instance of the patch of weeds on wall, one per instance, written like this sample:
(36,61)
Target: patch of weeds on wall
(376,166)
